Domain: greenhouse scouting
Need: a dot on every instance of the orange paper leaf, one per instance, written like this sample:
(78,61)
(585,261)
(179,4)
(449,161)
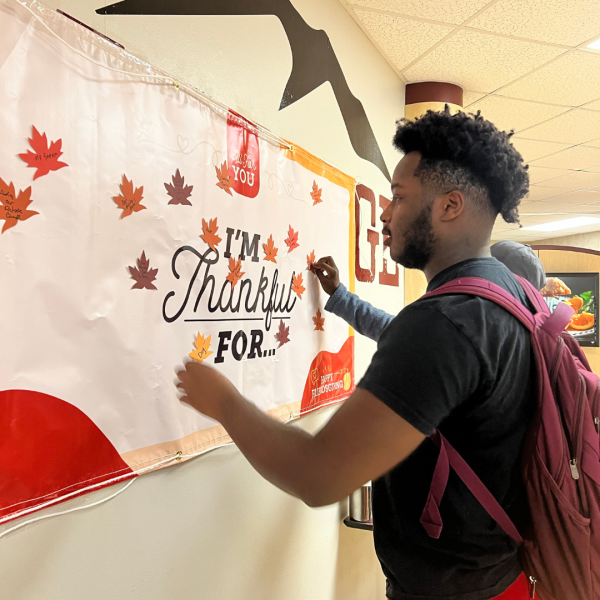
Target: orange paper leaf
(316,193)
(14,208)
(292,239)
(201,351)
(310,260)
(143,275)
(128,200)
(45,158)
(297,285)
(282,335)
(319,321)
(209,233)
(270,250)
(235,271)
(179,192)
(223,177)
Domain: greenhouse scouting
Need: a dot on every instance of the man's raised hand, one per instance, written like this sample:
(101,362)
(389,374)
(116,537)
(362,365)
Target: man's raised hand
(328,274)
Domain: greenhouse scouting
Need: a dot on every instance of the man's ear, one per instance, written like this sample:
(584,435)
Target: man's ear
(451,205)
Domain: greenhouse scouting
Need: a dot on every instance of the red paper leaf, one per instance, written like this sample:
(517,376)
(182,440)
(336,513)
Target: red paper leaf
(209,234)
(297,285)
(316,193)
(14,208)
(270,250)
(282,335)
(310,261)
(128,200)
(143,275)
(178,191)
(235,271)
(292,239)
(223,177)
(45,158)
(318,321)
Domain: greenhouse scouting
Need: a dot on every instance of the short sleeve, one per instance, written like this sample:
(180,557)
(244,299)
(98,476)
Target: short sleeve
(424,367)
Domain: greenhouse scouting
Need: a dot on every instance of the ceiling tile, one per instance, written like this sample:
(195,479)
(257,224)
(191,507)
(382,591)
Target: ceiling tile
(555,208)
(593,105)
(541,174)
(402,40)
(573,79)
(470,97)
(479,61)
(574,127)
(533,149)
(538,192)
(569,22)
(580,198)
(574,180)
(449,11)
(508,113)
(576,157)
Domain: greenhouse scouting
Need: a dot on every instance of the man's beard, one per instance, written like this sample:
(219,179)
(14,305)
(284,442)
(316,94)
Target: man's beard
(418,241)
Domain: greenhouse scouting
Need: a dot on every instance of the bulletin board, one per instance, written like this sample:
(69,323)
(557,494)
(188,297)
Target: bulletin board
(141,223)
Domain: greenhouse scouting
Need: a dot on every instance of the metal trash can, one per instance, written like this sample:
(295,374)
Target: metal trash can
(360,504)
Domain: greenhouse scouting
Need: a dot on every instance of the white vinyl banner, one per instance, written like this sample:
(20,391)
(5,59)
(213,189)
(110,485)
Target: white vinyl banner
(143,223)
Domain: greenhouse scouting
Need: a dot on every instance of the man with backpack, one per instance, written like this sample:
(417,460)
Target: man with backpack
(455,365)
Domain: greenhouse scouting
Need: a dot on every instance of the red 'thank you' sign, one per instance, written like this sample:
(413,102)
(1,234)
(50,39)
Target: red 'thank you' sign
(243,156)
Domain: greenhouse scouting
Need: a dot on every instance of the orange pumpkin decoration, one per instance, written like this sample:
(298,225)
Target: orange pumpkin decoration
(576,302)
(581,322)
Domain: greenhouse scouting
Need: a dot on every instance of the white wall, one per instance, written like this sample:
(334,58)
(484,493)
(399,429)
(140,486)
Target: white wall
(212,528)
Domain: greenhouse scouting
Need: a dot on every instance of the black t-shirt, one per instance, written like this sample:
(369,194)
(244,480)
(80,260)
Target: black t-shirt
(461,364)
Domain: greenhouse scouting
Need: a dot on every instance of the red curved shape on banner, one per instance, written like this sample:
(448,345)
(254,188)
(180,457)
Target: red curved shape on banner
(50,449)
(330,378)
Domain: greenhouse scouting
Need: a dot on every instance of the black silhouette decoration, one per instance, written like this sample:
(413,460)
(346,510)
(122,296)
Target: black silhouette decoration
(313,60)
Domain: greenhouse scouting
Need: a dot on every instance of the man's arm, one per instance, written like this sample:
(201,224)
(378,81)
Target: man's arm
(363,440)
(362,316)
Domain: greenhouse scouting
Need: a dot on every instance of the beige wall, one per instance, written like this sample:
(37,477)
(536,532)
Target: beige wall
(589,240)
(212,528)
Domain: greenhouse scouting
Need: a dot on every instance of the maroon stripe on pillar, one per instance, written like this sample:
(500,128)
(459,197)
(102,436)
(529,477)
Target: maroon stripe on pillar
(433,91)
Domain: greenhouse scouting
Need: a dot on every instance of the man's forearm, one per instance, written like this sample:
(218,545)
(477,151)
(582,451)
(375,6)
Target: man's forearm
(286,456)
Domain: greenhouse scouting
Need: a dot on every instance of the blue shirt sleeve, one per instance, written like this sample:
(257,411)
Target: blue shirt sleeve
(362,316)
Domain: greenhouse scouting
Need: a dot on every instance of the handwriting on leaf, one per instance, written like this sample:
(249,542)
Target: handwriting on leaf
(14,208)
(223,177)
(45,158)
(310,261)
(179,192)
(292,239)
(297,285)
(319,321)
(282,335)
(143,275)
(235,271)
(128,200)
(316,193)
(201,351)
(209,233)
(270,250)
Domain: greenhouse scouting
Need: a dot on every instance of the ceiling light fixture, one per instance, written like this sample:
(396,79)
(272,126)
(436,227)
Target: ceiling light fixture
(564,224)
(595,45)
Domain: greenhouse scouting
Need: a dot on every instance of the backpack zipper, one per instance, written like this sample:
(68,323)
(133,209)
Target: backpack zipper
(532,582)
(576,449)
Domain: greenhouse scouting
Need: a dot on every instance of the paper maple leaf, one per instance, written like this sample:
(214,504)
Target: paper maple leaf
(297,285)
(14,208)
(143,275)
(45,158)
(316,193)
(270,250)
(292,239)
(318,321)
(128,200)
(209,233)
(310,260)
(235,271)
(223,177)
(178,192)
(202,351)
(282,335)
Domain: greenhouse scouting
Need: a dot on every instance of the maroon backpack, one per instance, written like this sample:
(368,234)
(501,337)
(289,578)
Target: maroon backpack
(560,550)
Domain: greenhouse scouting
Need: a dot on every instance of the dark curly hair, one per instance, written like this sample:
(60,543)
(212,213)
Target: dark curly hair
(469,153)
